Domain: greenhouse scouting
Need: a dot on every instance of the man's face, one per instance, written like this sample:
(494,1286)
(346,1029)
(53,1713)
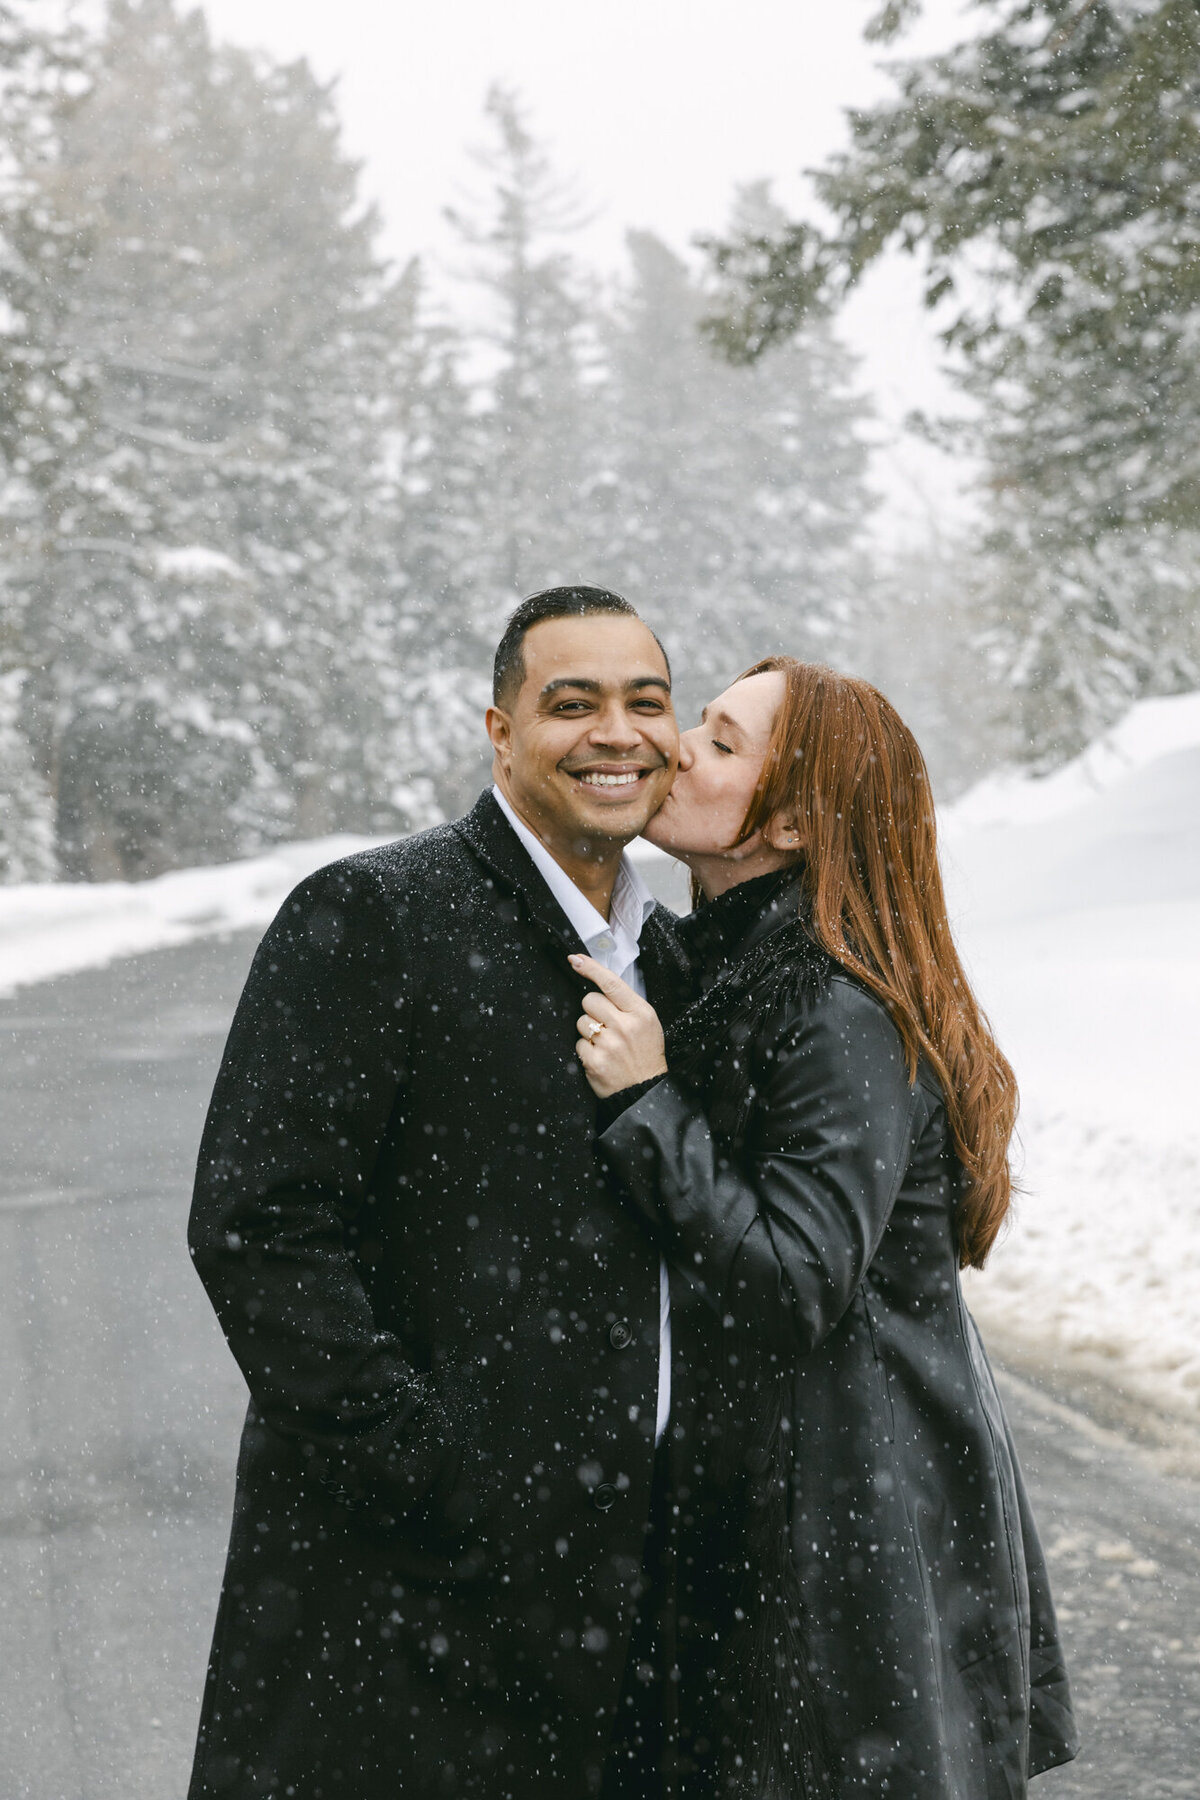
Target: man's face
(587,749)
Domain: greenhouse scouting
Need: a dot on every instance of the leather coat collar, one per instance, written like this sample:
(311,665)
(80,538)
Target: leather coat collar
(721,932)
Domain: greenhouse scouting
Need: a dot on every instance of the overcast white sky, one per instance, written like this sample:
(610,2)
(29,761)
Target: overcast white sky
(658,107)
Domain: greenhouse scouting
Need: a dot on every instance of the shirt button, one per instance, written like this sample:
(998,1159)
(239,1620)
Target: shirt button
(620,1335)
(603,1496)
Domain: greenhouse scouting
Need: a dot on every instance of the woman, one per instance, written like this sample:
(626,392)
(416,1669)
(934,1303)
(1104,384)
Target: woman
(820,1145)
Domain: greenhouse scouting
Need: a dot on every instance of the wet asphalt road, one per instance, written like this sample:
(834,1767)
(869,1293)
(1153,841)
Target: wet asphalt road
(120,1410)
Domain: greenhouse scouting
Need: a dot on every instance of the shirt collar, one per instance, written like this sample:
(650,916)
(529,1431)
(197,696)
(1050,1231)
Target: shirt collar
(632,901)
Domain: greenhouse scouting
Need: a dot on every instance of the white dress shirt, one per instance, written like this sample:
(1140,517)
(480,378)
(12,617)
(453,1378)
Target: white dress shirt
(614,942)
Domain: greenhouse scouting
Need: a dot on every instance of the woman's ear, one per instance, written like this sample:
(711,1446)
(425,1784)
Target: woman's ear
(783,833)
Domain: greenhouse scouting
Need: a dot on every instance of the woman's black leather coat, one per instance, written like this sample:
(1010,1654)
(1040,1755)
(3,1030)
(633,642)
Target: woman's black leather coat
(820,1221)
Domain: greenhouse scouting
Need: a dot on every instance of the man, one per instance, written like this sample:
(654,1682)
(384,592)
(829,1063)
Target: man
(454,1335)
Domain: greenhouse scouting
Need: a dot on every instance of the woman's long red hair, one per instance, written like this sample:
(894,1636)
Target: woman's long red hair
(844,762)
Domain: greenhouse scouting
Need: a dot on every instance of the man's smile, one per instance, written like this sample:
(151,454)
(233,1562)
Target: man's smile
(610,775)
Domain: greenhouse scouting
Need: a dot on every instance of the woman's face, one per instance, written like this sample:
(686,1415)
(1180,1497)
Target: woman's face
(720,761)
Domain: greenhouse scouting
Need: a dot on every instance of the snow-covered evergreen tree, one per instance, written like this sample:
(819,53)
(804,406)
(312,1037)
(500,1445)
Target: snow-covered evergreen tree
(1047,170)
(737,495)
(26,816)
(436,562)
(533,339)
(268,506)
(44,395)
(208,681)
(932,649)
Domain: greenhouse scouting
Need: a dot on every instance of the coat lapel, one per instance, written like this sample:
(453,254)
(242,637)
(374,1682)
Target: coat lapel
(665,969)
(501,851)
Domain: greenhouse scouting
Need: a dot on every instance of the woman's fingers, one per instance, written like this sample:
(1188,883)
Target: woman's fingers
(602,1062)
(610,985)
(588,1027)
(619,1038)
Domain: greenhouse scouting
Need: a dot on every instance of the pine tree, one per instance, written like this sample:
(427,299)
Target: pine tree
(738,495)
(208,684)
(26,816)
(272,507)
(45,396)
(436,570)
(1048,172)
(933,650)
(535,340)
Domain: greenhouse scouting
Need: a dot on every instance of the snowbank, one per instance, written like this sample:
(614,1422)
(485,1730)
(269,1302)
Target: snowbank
(54,928)
(1151,730)
(1077,904)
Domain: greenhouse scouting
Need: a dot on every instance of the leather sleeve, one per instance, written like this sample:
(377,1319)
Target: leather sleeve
(779,1234)
(311,1074)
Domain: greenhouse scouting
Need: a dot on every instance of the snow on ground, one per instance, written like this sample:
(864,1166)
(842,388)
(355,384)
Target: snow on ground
(55,928)
(1076,901)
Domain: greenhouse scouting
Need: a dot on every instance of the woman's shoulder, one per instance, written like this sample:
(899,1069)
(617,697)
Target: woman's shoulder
(836,1005)
(789,969)
(844,1018)
(831,1019)
(838,1054)
(792,976)
(807,1006)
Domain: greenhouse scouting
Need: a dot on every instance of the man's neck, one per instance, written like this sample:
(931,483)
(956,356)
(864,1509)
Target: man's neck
(591,863)
(594,878)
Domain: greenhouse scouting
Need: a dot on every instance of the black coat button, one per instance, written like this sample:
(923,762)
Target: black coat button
(603,1496)
(620,1335)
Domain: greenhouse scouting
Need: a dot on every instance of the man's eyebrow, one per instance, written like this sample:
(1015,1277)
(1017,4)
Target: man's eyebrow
(590,686)
(570,681)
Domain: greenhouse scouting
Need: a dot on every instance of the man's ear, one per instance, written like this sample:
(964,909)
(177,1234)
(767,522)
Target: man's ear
(499,730)
(783,832)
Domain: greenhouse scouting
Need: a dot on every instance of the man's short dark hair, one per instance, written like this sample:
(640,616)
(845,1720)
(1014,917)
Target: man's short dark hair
(508,670)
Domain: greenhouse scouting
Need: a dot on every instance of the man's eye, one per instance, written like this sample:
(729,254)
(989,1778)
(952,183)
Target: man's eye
(656,706)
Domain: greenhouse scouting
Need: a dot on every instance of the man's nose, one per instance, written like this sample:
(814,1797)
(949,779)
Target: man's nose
(616,728)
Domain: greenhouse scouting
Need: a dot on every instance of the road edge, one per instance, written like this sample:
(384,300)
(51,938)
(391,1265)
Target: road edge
(1095,1400)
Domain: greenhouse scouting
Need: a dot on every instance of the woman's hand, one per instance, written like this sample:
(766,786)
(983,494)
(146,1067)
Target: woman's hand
(620,1038)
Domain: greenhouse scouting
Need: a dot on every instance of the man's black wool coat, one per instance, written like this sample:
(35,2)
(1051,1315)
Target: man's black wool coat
(449,1328)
